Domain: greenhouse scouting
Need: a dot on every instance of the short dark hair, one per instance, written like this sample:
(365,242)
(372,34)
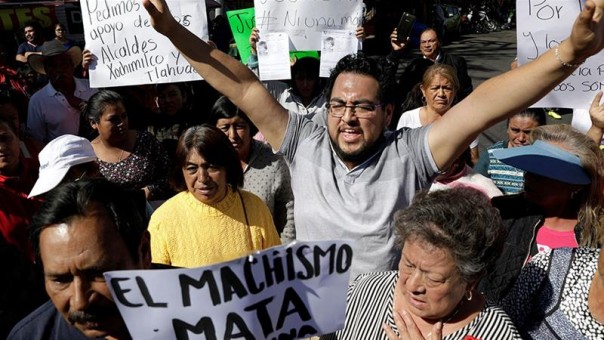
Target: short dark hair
(361,64)
(76,199)
(308,66)
(99,101)
(224,109)
(34,24)
(537,114)
(214,146)
(460,220)
(182,87)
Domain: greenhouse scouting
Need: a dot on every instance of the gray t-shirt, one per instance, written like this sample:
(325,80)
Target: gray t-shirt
(358,205)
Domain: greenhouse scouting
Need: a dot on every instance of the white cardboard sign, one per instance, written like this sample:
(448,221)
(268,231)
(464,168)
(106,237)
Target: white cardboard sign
(542,25)
(289,291)
(305,20)
(129,51)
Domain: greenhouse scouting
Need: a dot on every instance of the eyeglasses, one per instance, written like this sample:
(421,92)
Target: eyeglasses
(363,110)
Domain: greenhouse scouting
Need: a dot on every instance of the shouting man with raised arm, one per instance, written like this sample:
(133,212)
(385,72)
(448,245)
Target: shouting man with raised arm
(351,176)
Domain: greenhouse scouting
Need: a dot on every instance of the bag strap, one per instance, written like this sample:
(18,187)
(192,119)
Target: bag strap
(247,223)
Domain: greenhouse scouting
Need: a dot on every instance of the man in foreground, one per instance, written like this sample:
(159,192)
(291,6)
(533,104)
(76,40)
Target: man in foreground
(84,229)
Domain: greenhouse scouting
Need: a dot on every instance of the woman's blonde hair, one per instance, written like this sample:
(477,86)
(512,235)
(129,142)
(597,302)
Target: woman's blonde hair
(445,71)
(590,200)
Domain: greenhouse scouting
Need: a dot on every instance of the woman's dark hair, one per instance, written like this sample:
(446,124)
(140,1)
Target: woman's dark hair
(460,220)
(98,102)
(537,114)
(214,146)
(59,24)
(224,109)
(77,199)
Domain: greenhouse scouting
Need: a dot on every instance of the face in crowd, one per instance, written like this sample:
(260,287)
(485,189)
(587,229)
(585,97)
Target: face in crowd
(9,149)
(60,31)
(209,164)
(206,181)
(30,33)
(519,130)
(357,118)
(76,250)
(431,282)
(439,93)
(112,124)
(238,131)
(429,44)
(60,70)
(306,84)
(171,100)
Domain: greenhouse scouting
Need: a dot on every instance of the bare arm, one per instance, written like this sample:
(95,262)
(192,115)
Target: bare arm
(596,113)
(499,97)
(227,75)
(23,57)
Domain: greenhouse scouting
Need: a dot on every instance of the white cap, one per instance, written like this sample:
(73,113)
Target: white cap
(57,158)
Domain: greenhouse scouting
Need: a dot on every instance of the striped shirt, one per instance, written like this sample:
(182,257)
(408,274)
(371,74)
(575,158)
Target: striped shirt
(507,178)
(369,305)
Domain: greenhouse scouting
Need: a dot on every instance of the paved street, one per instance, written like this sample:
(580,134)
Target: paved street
(489,55)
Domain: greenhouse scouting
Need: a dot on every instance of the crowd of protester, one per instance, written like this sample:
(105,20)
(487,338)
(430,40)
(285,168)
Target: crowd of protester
(448,244)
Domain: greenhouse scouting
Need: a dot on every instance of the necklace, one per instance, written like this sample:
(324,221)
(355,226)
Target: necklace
(121,156)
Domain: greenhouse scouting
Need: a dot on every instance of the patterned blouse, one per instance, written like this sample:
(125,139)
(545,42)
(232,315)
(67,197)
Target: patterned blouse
(369,305)
(549,298)
(147,166)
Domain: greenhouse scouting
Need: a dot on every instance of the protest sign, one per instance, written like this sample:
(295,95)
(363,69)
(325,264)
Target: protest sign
(273,56)
(542,25)
(304,20)
(129,51)
(336,44)
(242,21)
(286,292)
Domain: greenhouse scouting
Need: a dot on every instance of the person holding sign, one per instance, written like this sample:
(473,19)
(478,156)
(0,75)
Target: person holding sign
(84,229)
(305,95)
(449,240)
(211,220)
(350,177)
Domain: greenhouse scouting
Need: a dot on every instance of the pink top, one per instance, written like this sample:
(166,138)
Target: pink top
(548,238)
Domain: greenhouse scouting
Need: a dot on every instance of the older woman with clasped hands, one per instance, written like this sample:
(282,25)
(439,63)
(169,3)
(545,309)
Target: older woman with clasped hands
(449,239)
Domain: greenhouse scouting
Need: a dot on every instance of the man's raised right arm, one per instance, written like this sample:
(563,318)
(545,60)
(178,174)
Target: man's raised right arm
(227,75)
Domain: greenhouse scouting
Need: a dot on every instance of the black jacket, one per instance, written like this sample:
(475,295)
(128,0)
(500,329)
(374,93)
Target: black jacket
(522,220)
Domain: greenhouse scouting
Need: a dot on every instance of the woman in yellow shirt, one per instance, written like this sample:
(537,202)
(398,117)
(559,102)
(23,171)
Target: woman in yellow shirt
(211,220)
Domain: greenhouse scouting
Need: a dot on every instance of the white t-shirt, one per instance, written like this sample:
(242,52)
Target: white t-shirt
(411,119)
